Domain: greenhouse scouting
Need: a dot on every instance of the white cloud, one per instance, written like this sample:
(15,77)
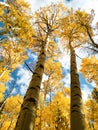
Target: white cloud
(45,77)
(80,54)
(65,61)
(24,80)
(3,3)
(14,91)
(23,89)
(85,92)
(83,4)
(40,3)
(66,80)
(25,76)
(32,55)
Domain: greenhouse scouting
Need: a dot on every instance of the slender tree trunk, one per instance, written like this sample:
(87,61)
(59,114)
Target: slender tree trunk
(77,119)
(26,119)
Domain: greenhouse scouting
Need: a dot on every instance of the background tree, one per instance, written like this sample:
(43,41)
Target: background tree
(91,109)
(71,33)
(95,94)
(10,112)
(17,34)
(53,71)
(16,20)
(86,23)
(55,115)
(90,64)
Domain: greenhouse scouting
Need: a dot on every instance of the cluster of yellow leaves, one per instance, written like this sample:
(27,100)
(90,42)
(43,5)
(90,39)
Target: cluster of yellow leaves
(10,112)
(89,69)
(84,18)
(55,115)
(53,50)
(53,68)
(91,116)
(13,54)
(46,26)
(18,32)
(17,22)
(15,103)
(5,76)
(73,27)
(54,72)
(2,89)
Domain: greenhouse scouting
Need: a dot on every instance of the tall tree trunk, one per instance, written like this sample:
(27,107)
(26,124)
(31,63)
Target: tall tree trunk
(26,119)
(77,119)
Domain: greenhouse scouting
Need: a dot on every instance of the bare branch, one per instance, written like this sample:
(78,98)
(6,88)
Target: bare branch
(28,67)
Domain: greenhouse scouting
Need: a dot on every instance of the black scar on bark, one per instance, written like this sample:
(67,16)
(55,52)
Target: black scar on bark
(21,105)
(76,87)
(38,76)
(74,111)
(74,62)
(38,86)
(75,105)
(26,108)
(18,116)
(42,66)
(77,95)
(34,72)
(17,123)
(34,87)
(32,100)
(42,53)
(24,96)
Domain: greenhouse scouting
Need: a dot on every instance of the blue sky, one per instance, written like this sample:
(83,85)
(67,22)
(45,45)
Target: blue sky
(1,0)
(22,75)
(1,25)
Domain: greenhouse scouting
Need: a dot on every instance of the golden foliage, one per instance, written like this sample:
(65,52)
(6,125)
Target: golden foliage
(18,32)
(2,89)
(55,114)
(49,22)
(74,27)
(91,116)
(89,69)
(10,112)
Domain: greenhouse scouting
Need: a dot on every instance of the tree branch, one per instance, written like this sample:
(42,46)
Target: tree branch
(28,67)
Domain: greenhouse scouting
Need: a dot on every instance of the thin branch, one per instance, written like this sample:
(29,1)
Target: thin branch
(78,56)
(93,49)
(92,40)
(28,67)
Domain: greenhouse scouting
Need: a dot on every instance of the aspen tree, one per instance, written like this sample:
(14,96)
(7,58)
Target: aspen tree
(77,119)
(46,23)
(71,33)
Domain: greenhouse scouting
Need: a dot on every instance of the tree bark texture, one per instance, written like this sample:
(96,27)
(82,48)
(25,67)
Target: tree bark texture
(27,115)
(76,116)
